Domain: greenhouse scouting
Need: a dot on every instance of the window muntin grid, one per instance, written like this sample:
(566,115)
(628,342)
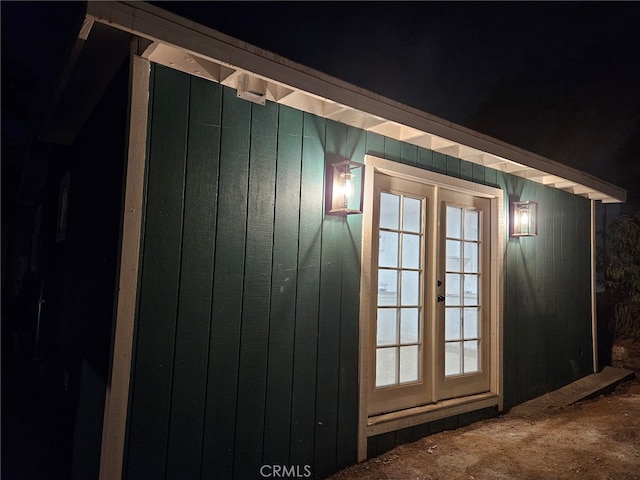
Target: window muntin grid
(462,332)
(399,343)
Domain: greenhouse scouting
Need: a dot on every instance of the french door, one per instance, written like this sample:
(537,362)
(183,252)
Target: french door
(463,326)
(430,325)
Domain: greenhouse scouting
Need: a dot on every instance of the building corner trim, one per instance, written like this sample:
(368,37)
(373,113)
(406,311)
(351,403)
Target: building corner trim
(117,395)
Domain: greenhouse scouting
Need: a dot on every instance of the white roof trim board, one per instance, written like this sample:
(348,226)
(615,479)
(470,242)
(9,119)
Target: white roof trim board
(192,48)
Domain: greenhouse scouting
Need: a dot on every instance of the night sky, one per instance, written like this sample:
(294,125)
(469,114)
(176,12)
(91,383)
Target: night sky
(559,79)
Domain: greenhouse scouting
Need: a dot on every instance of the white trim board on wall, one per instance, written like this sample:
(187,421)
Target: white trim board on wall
(117,396)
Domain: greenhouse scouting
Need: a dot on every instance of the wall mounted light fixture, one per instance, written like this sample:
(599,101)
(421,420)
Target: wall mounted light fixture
(525,219)
(346,187)
(252,88)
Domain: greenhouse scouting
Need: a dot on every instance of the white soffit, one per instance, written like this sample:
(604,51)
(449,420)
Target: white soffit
(197,50)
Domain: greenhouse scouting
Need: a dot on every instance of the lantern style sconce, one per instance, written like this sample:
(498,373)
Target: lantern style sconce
(346,187)
(525,219)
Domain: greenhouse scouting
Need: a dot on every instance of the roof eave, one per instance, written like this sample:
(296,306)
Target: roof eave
(198,50)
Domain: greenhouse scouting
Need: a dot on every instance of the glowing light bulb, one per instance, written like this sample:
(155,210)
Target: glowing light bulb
(347,186)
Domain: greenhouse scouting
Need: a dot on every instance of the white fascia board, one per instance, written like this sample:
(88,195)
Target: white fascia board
(311,91)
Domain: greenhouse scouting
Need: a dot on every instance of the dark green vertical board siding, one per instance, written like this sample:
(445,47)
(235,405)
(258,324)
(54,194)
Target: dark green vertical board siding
(247,328)
(533,253)
(478,173)
(560,266)
(582,300)
(453,166)
(379,444)
(303,393)
(348,388)
(552,309)
(420,431)
(549,224)
(436,426)
(283,291)
(584,297)
(393,149)
(328,372)
(466,171)
(385,442)
(439,162)
(425,158)
(547,292)
(464,419)
(196,274)
(568,279)
(409,154)
(228,283)
(156,326)
(372,447)
(491,177)
(547,317)
(257,292)
(450,423)
(528,309)
(404,436)
(375,144)
(510,350)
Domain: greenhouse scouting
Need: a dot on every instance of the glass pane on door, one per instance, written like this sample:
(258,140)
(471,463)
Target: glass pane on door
(400,290)
(462,341)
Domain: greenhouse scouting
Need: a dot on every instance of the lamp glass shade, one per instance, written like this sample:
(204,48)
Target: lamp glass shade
(525,219)
(346,187)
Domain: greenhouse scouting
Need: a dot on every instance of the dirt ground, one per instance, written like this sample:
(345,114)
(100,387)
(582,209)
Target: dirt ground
(592,439)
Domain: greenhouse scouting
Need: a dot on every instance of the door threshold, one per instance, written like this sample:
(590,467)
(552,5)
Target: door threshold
(410,417)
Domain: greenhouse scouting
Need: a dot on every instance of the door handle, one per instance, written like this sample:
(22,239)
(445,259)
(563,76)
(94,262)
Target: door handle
(441,298)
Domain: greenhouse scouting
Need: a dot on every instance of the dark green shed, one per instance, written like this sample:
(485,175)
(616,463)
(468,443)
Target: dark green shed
(256,335)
